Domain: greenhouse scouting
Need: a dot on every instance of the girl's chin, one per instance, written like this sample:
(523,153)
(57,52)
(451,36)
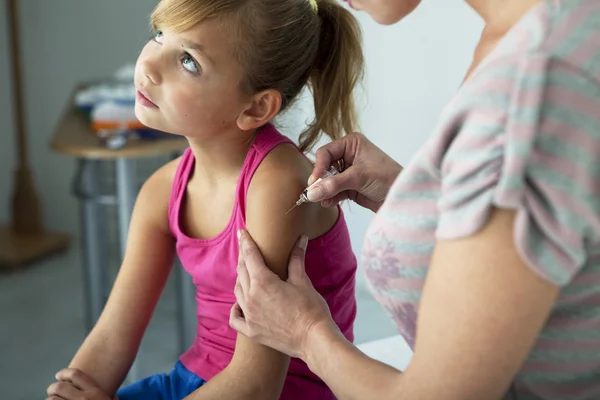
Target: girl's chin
(148,121)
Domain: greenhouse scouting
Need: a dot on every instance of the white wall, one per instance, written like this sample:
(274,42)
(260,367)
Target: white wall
(412,71)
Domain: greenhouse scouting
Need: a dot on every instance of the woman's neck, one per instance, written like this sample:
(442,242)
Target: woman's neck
(499,17)
(221,157)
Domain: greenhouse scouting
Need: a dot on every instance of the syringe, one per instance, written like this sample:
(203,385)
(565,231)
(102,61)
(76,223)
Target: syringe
(304,196)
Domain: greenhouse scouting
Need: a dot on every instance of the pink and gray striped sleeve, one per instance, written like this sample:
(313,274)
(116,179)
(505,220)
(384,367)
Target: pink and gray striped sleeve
(539,156)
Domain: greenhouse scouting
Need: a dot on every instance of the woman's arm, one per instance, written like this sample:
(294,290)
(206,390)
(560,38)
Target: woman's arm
(481,311)
(257,372)
(109,350)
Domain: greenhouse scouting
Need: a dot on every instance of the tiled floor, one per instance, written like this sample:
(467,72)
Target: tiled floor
(41,327)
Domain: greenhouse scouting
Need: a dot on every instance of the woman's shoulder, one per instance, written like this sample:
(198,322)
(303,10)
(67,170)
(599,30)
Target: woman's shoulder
(574,35)
(565,31)
(555,34)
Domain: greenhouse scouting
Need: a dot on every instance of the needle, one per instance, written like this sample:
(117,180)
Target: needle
(291,209)
(304,196)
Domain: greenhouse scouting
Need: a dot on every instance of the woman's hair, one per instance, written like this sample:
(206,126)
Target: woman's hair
(285,45)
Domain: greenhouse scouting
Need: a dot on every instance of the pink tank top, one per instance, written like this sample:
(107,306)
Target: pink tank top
(330,263)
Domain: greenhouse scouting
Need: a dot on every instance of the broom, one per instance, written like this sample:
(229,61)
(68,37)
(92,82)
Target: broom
(26,239)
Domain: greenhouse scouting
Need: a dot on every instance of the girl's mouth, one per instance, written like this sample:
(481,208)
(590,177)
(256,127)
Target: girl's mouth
(143,99)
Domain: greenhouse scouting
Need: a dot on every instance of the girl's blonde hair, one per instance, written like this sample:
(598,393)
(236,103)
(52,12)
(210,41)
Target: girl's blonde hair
(285,45)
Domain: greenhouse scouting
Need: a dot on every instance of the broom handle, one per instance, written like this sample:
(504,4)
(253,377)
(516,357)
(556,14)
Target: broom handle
(17,85)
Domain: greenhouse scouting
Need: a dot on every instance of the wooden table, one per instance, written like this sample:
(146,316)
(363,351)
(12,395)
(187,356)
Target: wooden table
(74,137)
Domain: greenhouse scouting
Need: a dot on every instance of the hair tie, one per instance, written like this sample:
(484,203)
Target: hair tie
(314,6)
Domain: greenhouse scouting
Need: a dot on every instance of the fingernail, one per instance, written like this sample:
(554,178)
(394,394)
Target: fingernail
(56,376)
(315,193)
(303,243)
(311,180)
(239,235)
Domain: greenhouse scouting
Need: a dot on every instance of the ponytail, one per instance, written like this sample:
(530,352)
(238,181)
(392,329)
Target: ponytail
(337,70)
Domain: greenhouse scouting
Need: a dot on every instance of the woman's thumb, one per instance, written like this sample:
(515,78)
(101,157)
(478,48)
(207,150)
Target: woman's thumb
(329,187)
(296,272)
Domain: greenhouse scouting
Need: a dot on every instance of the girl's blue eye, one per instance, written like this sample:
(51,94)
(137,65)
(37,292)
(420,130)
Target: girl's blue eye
(190,64)
(158,37)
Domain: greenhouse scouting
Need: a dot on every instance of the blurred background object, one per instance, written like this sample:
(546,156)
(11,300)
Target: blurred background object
(25,239)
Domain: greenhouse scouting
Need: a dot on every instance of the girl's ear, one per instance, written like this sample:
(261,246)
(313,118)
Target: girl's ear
(262,108)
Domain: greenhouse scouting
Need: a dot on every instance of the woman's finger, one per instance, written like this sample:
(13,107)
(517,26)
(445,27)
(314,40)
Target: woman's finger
(334,185)
(240,296)
(243,278)
(237,321)
(65,390)
(296,272)
(252,258)
(328,154)
(335,200)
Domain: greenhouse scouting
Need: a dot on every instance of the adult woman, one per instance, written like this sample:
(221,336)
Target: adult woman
(491,232)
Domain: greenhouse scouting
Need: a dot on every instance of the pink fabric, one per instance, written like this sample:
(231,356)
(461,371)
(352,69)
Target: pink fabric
(330,263)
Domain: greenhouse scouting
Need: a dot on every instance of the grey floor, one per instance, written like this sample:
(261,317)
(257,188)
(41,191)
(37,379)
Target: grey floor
(42,325)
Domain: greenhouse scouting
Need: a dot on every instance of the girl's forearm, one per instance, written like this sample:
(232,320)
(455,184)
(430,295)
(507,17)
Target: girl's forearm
(106,359)
(228,384)
(349,373)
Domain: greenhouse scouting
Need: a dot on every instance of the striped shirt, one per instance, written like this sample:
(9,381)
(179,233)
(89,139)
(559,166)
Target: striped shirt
(522,133)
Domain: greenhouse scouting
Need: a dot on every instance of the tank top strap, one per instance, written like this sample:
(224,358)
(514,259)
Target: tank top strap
(265,141)
(180,181)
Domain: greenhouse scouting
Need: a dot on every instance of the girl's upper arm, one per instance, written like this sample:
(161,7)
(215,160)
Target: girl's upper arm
(275,234)
(148,259)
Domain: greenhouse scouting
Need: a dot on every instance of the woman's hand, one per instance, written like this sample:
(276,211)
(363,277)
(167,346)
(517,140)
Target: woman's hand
(75,385)
(368,175)
(272,312)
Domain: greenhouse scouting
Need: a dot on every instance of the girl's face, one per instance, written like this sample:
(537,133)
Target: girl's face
(190,83)
(385,12)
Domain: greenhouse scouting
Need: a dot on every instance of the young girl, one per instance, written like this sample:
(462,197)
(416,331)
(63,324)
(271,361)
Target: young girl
(218,72)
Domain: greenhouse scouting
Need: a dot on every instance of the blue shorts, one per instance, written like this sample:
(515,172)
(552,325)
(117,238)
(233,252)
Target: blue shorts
(175,385)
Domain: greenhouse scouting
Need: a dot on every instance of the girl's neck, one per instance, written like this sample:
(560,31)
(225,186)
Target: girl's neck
(221,157)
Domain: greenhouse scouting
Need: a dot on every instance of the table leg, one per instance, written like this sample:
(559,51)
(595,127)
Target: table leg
(185,308)
(126,193)
(94,271)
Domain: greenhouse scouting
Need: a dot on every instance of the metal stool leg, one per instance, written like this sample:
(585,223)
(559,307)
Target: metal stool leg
(126,193)
(94,271)
(186,321)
